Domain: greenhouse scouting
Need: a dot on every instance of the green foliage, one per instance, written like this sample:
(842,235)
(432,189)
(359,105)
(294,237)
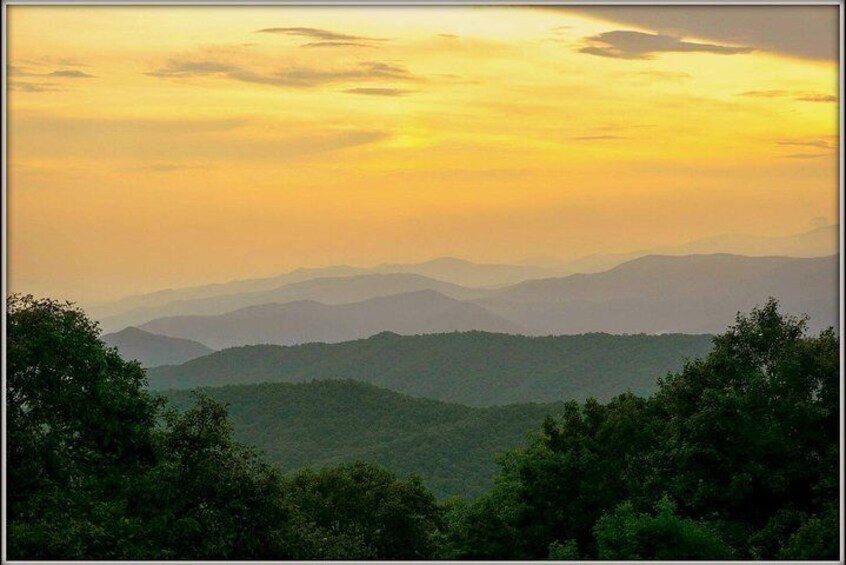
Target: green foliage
(587,461)
(628,535)
(366,512)
(817,538)
(753,428)
(208,497)
(735,456)
(482,529)
(97,470)
(745,440)
(472,368)
(79,423)
(568,551)
(451,447)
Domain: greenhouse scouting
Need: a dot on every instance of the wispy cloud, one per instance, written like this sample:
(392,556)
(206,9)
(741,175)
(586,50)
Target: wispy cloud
(316,33)
(184,69)
(825,148)
(765,93)
(817,98)
(804,156)
(818,143)
(293,77)
(336,44)
(624,44)
(18,71)
(379,91)
(35,87)
(70,74)
(34,69)
(795,95)
(800,31)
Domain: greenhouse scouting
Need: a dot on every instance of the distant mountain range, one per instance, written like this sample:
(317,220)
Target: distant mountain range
(655,294)
(153,350)
(473,368)
(326,290)
(453,448)
(424,311)
(658,294)
(444,269)
(819,242)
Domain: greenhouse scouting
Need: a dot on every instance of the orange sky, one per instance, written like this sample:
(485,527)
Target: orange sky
(154,147)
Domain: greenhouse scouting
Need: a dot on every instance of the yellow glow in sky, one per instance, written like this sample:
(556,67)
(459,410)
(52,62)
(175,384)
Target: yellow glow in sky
(154,147)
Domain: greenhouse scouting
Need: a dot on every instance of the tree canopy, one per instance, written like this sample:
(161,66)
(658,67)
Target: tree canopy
(737,453)
(735,456)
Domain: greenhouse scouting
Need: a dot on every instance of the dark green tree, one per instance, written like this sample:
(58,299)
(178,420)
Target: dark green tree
(79,423)
(365,512)
(209,497)
(753,429)
(100,470)
(746,440)
(629,535)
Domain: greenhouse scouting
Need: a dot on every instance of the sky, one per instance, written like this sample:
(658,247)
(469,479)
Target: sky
(160,147)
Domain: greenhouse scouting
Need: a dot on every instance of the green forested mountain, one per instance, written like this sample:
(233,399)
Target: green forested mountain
(451,447)
(473,368)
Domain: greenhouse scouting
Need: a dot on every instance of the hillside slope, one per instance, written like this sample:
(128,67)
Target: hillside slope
(325,290)
(660,294)
(474,368)
(153,350)
(452,447)
(446,269)
(420,312)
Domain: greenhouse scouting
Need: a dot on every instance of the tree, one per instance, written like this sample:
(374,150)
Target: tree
(484,528)
(817,538)
(753,428)
(746,440)
(365,512)
(208,497)
(584,462)
(628,535)
(79,422)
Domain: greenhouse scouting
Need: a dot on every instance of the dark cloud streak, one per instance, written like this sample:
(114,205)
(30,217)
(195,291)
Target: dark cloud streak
(70,74)
(336,44)
(798,96)
(294,77)
(809,32)
(804,156)
(819,143)
(35,87)
(817,98)
(320,34)
(624,44)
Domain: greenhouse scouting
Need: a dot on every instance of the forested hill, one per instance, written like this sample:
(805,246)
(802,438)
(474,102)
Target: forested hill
(473,368)
(453,448)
